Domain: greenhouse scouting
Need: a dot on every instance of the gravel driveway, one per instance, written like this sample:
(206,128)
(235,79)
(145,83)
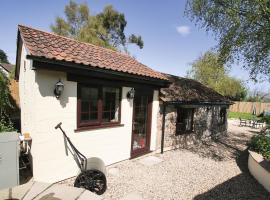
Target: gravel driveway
(214,170)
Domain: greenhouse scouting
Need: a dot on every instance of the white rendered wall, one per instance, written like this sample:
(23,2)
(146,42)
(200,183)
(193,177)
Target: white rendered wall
(41,111)
(260,173)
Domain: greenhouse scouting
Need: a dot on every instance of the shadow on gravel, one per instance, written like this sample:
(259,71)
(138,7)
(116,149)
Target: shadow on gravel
(242,186)
(225,147)
(238,187)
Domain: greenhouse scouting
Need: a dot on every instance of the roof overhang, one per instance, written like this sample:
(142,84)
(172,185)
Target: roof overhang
(74,69)
(197,103)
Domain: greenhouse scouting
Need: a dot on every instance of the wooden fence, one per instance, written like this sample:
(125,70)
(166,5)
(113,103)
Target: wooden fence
(14,91)
(247,107)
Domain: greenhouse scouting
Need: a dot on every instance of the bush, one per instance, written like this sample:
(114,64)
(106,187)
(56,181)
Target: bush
(6,126)
(261,145)
(266,119)
(5,104)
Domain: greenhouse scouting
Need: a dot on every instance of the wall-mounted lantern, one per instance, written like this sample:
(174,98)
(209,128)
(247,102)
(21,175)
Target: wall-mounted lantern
(131,94)
(58,89)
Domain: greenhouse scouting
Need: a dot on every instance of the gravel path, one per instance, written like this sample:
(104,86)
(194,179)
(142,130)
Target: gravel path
(214,170)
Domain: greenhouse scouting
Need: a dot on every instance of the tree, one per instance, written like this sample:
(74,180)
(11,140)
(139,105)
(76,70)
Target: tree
(258,95)
(209,71)
(242,29)
(5,104)
(104,29)
(3,57)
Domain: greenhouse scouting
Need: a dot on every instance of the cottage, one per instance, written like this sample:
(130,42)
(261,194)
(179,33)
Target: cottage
(108,106)
(189,113)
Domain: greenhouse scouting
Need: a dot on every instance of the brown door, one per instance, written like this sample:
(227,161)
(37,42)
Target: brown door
(141,125)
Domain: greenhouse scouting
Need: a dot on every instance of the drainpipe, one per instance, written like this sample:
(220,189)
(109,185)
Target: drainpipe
(163,126)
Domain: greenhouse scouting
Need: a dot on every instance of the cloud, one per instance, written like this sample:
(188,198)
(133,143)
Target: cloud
(183,30)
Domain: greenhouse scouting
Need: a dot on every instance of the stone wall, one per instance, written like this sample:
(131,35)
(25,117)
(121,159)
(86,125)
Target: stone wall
(205,126)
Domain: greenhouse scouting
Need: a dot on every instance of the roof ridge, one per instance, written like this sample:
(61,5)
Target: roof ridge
(99,56)
(68,38)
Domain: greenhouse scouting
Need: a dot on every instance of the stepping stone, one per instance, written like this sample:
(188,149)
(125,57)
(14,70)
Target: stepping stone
(114,171)
(36,189)
(132,196)
(60,192)
(150,160)
(87,195)
(4,194)
(17,192)
(20,191)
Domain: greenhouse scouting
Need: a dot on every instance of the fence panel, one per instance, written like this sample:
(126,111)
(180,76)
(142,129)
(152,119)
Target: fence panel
(247,107)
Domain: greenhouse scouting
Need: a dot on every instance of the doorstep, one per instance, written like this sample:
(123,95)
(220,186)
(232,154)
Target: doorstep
(39,191)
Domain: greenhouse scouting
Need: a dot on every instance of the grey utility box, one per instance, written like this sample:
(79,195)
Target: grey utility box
(9,159)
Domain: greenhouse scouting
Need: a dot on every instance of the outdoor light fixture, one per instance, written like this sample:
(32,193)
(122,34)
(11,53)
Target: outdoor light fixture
(59,88)
(131,94)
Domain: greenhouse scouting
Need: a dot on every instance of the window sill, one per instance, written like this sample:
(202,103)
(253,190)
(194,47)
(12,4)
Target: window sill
(89,128)
(184,133)
(221,124)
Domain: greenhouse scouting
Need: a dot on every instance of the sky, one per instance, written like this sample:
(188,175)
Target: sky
(171,41)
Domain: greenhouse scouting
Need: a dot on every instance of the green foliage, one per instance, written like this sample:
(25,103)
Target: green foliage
(242,29)
(12,73)
(6,126)
(137,40)
(266,119)
(61,27)
(237,115)
(211,72)
(261,145)
(257,95)
(3,57)
(5,104)
(104,29)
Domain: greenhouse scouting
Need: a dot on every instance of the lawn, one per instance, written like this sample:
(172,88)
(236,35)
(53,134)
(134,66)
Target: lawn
(238,115)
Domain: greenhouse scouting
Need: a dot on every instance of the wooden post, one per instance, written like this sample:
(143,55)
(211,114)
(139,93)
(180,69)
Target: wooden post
(163,126)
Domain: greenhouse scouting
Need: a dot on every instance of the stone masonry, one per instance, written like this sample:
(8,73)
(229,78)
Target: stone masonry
(205,126)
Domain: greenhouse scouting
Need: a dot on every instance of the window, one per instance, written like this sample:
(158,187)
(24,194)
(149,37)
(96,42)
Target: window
(222,116)
(110,107)
(184,120)
(98,105)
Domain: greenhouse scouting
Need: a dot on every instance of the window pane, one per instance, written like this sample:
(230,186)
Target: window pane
(89,101)
(222,116)
(185,119)
(84,116)
(188,119)
(111,104)
(85,106)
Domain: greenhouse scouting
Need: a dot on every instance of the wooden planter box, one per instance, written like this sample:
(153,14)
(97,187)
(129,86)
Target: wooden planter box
(260,169)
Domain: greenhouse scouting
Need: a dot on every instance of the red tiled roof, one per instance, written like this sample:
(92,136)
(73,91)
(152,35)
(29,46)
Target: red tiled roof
(52,46)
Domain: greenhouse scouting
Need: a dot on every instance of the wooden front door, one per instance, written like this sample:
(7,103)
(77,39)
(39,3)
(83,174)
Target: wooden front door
(141,125)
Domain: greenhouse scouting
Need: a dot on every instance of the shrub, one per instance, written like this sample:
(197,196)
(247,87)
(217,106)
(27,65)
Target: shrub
(6,126)
(266,119)
(261,144)
(5,104)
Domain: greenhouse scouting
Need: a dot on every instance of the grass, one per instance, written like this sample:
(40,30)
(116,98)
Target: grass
(237,115)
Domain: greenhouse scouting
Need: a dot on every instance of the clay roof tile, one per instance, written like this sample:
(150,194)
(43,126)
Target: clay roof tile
(52,46)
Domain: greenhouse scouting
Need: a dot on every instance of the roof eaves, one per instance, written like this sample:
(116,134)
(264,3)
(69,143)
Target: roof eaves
(199,102)
(161,82)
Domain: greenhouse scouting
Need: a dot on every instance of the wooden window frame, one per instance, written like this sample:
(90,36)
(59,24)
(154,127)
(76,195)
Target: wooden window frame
(99,123)
(182,132)
(223,111)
